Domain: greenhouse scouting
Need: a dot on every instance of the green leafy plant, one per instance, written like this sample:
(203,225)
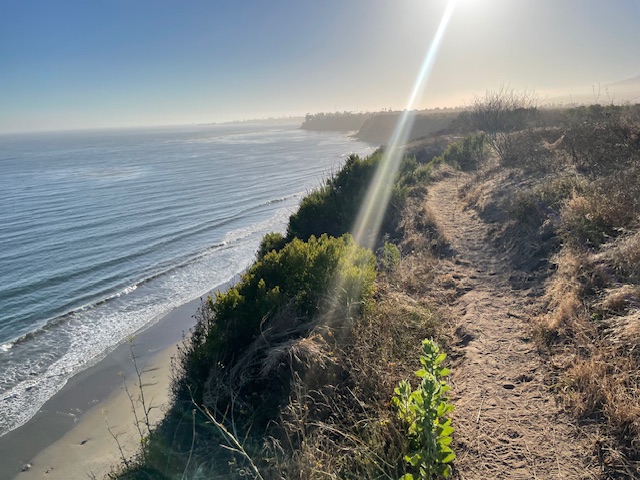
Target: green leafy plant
(464,154)
(388,256)
(301,277)
(334,207)
(271,241)
(425,412)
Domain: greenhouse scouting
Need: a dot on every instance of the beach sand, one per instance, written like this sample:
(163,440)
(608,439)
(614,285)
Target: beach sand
(69,438)
(88,449)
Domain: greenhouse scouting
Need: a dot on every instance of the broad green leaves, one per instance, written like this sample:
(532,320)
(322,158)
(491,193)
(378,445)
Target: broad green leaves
(424,412)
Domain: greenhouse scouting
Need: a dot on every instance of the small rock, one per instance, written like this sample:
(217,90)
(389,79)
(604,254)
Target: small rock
(26,467)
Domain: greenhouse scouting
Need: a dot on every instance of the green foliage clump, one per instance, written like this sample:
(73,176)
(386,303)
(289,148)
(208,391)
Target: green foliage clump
(333,208)
(271,241)
(306,277)
(532,206)
(424,411)
(464,154)
(413,173)
(388,256)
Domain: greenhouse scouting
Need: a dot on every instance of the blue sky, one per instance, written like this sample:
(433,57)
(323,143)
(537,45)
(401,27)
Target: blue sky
(87,64)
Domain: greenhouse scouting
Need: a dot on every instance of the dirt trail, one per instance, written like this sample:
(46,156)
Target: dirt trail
(507,422)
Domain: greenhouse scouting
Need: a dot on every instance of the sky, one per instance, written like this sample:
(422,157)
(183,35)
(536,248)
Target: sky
(113,63)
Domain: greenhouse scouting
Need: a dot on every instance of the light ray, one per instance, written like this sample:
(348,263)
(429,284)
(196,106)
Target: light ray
(369,219)
(372,210)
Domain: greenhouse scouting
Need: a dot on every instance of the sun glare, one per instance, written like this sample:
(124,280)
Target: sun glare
(369,219)
(372,211)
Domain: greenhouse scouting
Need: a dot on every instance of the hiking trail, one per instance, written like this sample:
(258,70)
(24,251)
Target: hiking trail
(507,422)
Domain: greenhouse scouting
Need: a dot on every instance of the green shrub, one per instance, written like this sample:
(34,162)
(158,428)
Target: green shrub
(333,208)
(425,413)
(271,241)
(305,277)
(533,206)
(464,154)
(388,256)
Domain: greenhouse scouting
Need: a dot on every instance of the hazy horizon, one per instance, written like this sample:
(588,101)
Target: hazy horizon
(74,65)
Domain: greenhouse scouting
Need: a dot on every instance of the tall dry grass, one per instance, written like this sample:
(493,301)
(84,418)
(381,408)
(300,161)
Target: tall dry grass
(565,204)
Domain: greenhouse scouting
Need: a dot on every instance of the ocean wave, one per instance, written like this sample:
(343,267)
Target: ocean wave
(278,221)
(196,216)
(89,334)
(281,199)
(91,340)
(54,322)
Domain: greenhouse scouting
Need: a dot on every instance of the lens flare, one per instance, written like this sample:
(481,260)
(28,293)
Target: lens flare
(369,220)
(371,214)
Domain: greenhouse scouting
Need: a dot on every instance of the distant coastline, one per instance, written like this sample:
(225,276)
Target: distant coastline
(261,121)
(378,127)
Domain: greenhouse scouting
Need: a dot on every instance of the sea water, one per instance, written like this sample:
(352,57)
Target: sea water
(104,232)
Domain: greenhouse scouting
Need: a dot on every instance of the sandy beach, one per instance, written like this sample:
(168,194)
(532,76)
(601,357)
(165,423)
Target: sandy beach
(88,449)
(69,437)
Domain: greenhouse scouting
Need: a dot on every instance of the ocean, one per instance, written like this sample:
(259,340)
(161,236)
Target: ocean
(104,232)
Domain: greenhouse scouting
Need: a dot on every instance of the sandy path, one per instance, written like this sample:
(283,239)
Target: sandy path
(507,422)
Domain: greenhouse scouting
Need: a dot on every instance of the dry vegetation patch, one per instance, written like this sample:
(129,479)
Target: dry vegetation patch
(348,429)
(568,194)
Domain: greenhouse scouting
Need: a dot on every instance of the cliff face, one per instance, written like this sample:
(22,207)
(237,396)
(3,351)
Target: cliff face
(379,128)
(337,122)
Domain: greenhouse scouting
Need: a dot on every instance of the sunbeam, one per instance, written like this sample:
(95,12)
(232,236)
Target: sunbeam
(369,219)
(371,214)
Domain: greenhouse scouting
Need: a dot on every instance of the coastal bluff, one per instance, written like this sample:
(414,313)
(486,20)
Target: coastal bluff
(377,128)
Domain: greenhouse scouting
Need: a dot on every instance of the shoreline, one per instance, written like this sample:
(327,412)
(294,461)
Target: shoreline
(50,442)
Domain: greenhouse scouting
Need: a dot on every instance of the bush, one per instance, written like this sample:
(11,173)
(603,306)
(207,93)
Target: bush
(303,278)
(271,241)
(535,205)
(465,154)
(500,113)
(388,256)
(333,208)
(602,141)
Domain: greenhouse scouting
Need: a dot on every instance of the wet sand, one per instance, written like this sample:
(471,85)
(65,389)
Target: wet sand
(69,438)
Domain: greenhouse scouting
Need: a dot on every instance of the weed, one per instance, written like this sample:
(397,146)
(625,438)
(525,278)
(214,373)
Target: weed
(425,413)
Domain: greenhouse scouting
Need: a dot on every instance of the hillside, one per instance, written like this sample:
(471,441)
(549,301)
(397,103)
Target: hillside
(380,127)
(514,247)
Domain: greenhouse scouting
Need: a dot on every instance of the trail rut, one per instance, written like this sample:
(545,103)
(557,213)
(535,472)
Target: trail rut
(507,422)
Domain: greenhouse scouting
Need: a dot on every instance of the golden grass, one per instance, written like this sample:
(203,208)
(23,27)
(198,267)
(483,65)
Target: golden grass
(584,188)
(624,255)
(592,330)
(566,317)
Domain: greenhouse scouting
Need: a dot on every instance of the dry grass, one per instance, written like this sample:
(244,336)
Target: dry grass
(617,300)
(591,328)
(580,182)
(624,256)
(345,427)
(567,317)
